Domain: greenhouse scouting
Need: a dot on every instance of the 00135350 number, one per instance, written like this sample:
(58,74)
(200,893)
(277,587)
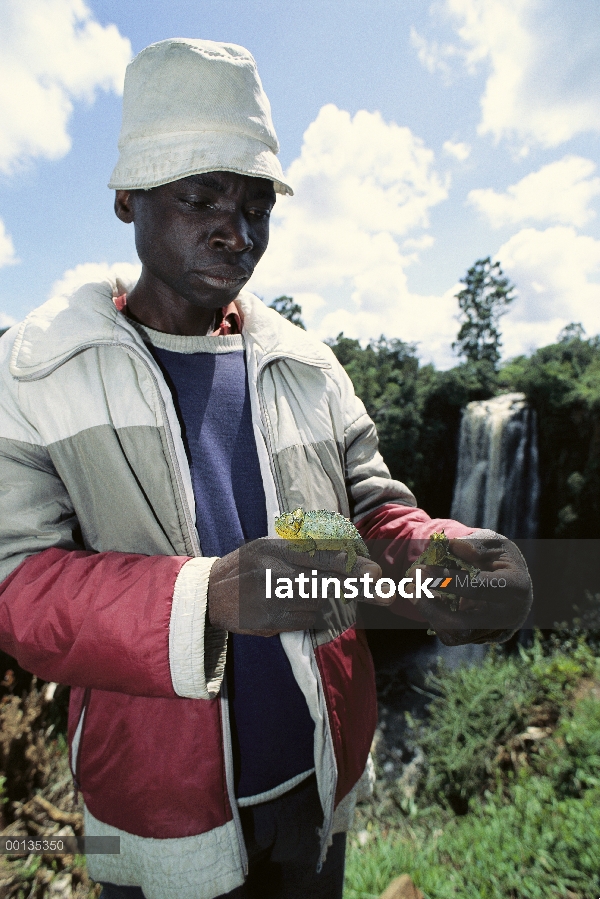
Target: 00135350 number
(28,846)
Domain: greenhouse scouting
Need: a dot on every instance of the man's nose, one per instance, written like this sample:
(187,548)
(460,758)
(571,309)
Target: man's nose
(231,233)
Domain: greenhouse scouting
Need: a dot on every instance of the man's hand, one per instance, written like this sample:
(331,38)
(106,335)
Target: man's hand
(487,613)
(237,599)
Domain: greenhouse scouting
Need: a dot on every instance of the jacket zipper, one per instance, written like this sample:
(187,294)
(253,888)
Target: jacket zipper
(227,751)
(327,824)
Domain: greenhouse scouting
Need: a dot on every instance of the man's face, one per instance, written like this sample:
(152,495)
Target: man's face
(200,238)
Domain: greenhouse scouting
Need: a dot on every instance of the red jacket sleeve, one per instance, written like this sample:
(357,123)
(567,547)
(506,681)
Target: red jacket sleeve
(92,619)
(397,535)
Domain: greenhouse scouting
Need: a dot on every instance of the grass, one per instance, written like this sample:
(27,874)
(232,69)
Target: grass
(530,847)
(508,806)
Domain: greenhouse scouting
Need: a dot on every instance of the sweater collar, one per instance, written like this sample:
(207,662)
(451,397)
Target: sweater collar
(64,326)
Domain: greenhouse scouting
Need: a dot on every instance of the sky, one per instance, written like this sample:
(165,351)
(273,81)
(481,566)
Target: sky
(418,139)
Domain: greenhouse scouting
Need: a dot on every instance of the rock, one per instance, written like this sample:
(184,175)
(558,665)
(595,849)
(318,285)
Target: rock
(60,887)
(408,781)
(402,888)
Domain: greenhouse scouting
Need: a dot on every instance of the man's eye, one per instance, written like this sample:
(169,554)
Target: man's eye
(260,213)
(195,203)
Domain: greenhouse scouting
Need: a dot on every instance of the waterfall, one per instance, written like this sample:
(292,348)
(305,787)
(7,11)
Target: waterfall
(497,481)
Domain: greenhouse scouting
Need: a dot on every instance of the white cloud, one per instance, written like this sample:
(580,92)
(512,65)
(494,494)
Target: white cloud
(559,192)
(524,338)
(74,278)
(543,84)
(7,250)
(361,186)
(434,56)
(428,320)
(419,243)
(6,320)
(556,273)
(52,52)
(310,304)
(458,150)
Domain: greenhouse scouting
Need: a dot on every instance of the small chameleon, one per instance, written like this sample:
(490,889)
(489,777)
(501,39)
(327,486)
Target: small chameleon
(310,531)
(437,553)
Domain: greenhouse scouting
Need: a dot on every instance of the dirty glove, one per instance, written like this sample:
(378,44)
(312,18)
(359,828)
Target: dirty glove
(493,605)
(238,599)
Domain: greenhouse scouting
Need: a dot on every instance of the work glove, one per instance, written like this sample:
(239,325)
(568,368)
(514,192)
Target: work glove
(237,588)
(493,605)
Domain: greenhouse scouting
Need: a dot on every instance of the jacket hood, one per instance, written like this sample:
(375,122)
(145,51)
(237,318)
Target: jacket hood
(66,325)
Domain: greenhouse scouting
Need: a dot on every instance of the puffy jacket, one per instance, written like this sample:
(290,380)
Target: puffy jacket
(103,584)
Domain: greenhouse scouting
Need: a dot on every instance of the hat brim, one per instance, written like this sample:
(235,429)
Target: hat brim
(149,162)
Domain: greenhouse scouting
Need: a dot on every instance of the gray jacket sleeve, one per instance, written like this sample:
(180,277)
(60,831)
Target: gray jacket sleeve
(368,480)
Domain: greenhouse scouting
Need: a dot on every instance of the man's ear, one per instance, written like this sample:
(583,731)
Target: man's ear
(124,205)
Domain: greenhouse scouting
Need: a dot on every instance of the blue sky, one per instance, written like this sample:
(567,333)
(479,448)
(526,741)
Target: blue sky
(418,139)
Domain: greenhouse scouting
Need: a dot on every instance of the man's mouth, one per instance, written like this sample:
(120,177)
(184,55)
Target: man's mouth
(224,280)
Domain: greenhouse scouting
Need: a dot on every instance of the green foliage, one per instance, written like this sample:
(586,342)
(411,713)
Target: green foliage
(529,832)
(572,759)
(562,383)
(482,302)
(533,846)
(557,669)
(370,870)
(290,310)
(481,707)
(383,373)
(476,709)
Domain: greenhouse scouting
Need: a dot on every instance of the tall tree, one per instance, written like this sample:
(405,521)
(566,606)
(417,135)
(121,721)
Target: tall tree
(483,300)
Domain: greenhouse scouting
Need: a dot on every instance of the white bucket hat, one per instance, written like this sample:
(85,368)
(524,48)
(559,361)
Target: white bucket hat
(192,106)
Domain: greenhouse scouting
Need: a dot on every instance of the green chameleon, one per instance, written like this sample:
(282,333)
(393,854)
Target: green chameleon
(436,553)
(310,531)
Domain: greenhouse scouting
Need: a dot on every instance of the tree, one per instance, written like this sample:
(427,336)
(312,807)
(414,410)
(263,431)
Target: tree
(482,301)
(290,310)
(574,331)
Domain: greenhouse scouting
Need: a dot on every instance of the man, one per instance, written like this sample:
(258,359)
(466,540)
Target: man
(149,434)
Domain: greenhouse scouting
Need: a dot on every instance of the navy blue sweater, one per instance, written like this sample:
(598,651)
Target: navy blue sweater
(272,731)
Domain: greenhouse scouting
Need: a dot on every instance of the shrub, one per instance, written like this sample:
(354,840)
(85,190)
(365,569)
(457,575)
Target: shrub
(529,831)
